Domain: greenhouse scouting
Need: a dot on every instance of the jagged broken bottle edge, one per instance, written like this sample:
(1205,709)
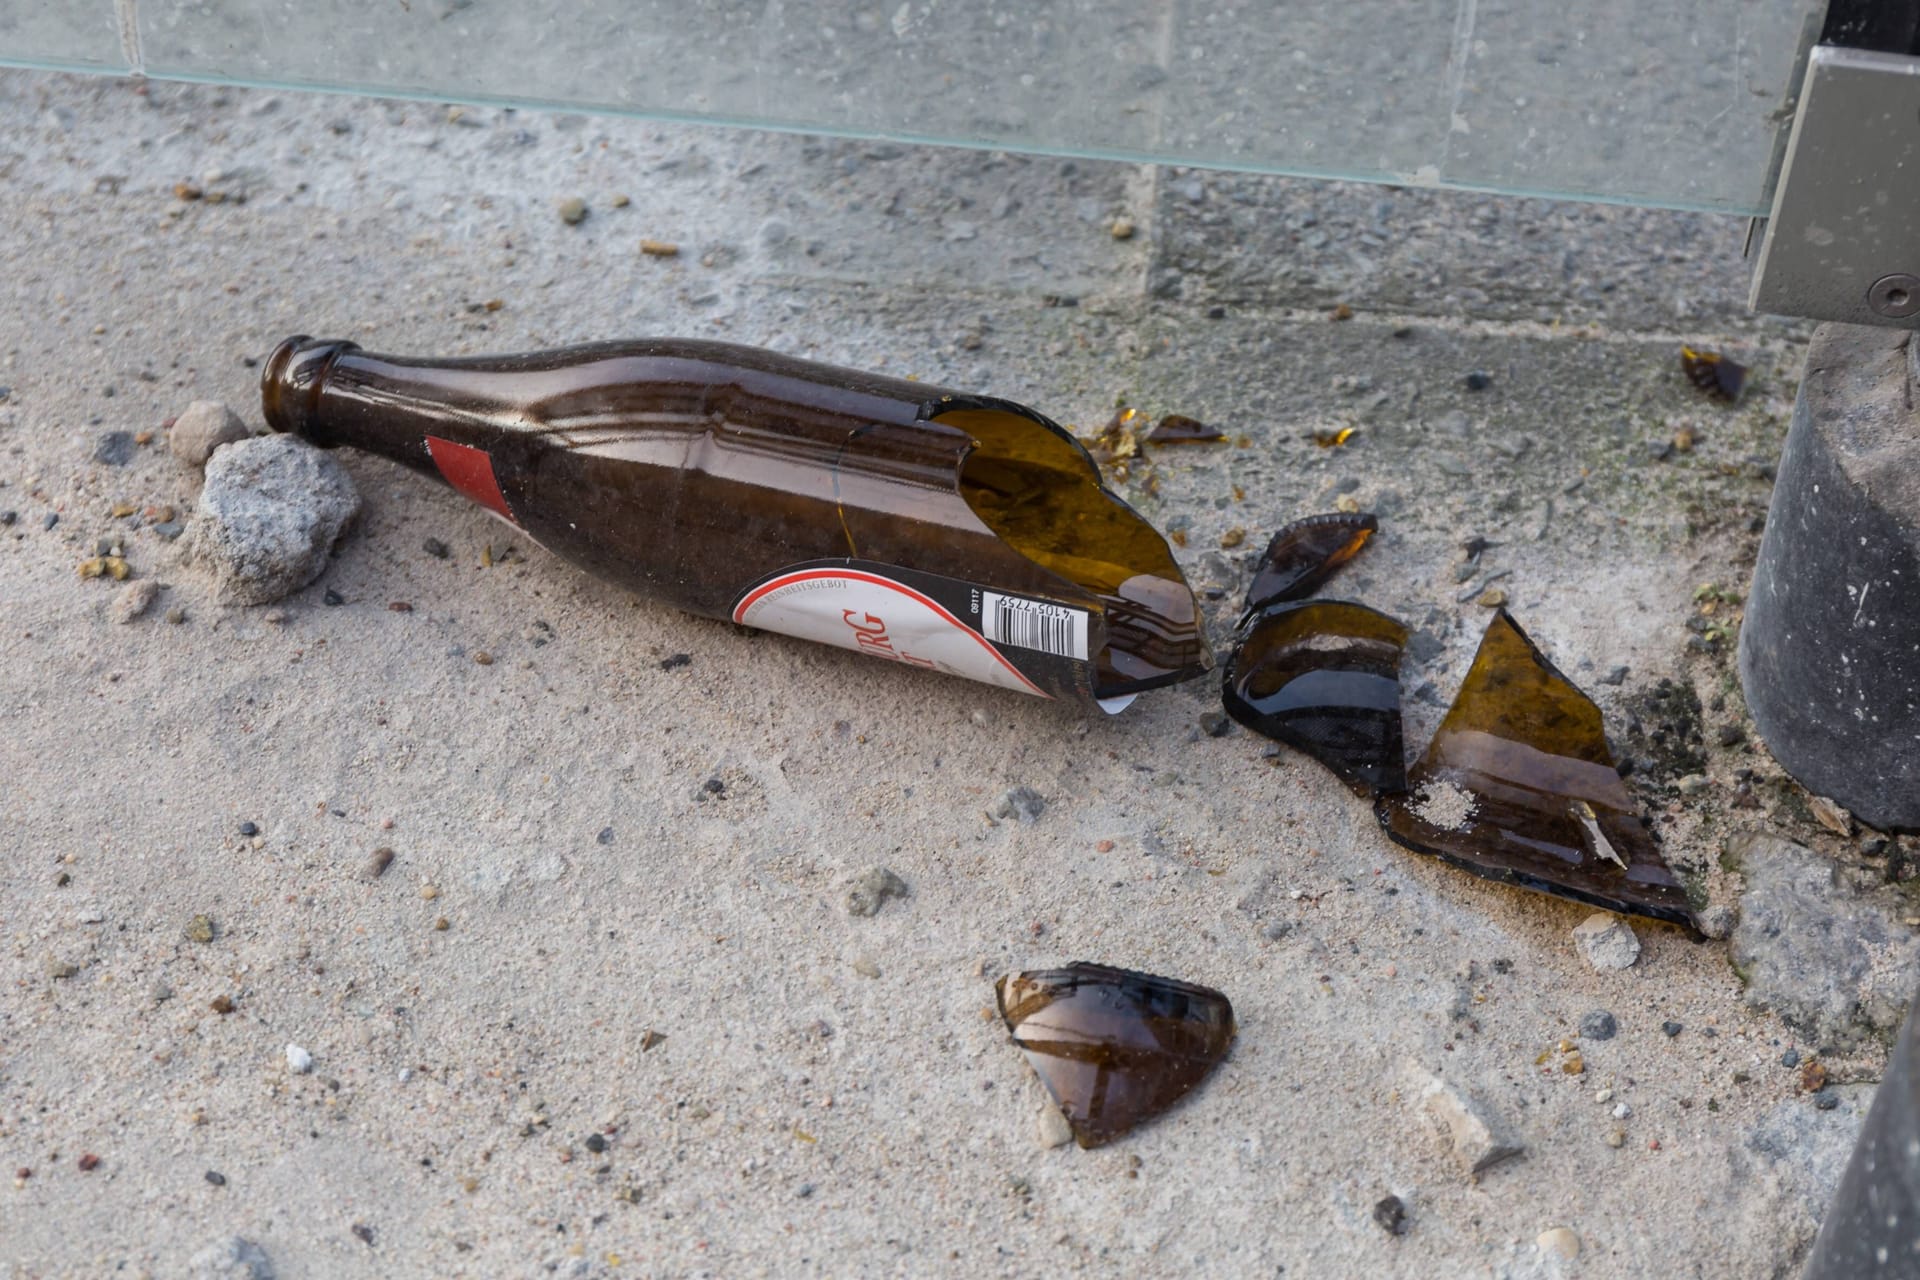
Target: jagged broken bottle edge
(1114,1048)
(1322,676)
(1304,554)
(1520,786)
(865,480)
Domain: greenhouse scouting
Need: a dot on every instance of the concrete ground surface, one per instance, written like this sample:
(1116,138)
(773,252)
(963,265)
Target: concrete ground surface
(491,1095)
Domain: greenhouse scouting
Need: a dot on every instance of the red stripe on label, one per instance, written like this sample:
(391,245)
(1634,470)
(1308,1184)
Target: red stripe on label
(470,471)
(807,575)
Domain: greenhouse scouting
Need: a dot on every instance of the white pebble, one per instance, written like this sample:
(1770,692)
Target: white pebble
(1605,1095)
(1558,1242)
(1607,942)
(1621,1111)
(1051,1128)
(299,1061)
(406,1074)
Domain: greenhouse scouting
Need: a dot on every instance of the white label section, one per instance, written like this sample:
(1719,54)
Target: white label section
(1034,624)
(854,609)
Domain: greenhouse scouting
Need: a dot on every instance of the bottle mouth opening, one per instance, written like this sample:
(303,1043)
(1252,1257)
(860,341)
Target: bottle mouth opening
(290,379)
(1040,493)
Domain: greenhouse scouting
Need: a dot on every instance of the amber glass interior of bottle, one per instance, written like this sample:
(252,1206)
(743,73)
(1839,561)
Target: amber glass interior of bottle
(1042,496)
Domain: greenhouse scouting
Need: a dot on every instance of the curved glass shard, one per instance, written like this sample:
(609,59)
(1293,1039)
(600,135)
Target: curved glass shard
(1178,428)
(1114,1047)
(1303,555)
(1519,785)
(1323,676)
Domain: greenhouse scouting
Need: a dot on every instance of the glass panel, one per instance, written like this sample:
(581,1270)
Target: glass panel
(68,35)
(1639,101)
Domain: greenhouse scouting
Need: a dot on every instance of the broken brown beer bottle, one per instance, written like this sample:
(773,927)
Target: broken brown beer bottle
(955,532)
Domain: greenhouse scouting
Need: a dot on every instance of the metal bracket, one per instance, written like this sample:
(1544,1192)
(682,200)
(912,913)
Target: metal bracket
(1843,241)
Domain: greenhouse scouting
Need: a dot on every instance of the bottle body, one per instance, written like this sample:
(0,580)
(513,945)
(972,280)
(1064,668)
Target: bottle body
(791,496)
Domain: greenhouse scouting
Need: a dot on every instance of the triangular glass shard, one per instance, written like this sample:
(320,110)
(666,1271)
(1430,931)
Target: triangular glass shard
(1115,1048)
(1304,554)
(1323,676)
(1714,373)
(1178,428)
(1519,785)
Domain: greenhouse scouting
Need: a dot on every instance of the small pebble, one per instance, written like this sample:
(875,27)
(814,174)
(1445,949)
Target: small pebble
(61,968)
(1621,1111)
(1826,1100)
(1606,941)
(200,929)
(429,892)
(1215,724)
(1232,538)
(659,249)
(378,863)
(201,428)
(1391,1214)
(436,548)
(1121,229)
(134,599)
(1598,1025)
(866,968)
(1731,735)
(1558,1242)
(442,924)
(871,889)
(222,1005)
(1791,1058)
(88,1162)
(1693,784)
(674,662)
(572,210)
(1830,815)
(483,658)
(299,1061)
(176,615)
(1051,1129)
(1477,381)
(217,1179)
(1672,1029)
(115,448)
(332,599)
(605,836)
(249,829)
(596,1143)
(1023,803)
(1616,1137)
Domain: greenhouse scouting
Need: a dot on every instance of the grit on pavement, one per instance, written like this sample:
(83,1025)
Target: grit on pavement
(604,1010)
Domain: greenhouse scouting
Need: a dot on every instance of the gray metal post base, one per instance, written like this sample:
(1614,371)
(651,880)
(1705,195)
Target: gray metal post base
(1872,1228)
(1830,652)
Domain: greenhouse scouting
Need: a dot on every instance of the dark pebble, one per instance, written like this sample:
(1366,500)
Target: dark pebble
(365,1232)
(377,864)
(1659,450)
(1391,1214)
(1598,1025)
(1731,735)
(804,1190)
(606,835)
(713,786)
(1403,333)
(1216,313)
(217,1179)
(1617,676)
(1672,1029)
(332,598)
(677,661)
(170,529)
(1216,724)
(53,518)
(596,1143)
(1791,1058)
(249,829)
(1873,846)
(89,1162)
(1826,1100)
(8,517)
(1477,381)
(436,548)
(115,448)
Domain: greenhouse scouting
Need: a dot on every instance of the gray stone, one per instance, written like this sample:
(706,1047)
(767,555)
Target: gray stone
(1608,942)
(1833,619)
(1598,1025)
(231,1259)
(134,599)
(1838,967)
(1023,803)
(1480,1138)
(202,428)
(271,510)
(871,889)
(115,448)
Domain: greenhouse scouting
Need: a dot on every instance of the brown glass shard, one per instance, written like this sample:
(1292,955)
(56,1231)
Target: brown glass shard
(1177,428)
(1714,373)
(1323,676)
(1332,437)
(1115,1048)
(1519,785)
(1304,554)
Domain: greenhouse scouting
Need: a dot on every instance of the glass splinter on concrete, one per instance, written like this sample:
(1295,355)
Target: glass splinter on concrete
(1713,373)
(1323,676)
(1304,554)
(1519,785)
(1177,428)
(1115,1048)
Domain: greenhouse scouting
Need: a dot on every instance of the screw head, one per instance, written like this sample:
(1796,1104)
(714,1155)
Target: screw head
(1896,296)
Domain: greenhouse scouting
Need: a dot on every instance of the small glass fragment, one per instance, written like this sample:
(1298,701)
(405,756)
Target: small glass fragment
(1332,437)
(1519,785)
(1113,1047)
(1177,428)
(1304,554)
(1323,677)
(1118,440)
(1714,373)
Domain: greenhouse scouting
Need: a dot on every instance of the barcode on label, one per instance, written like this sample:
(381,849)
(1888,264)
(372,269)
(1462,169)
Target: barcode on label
(1033,624)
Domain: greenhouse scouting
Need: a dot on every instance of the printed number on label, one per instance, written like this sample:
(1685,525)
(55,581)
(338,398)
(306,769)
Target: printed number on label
(1032,624)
